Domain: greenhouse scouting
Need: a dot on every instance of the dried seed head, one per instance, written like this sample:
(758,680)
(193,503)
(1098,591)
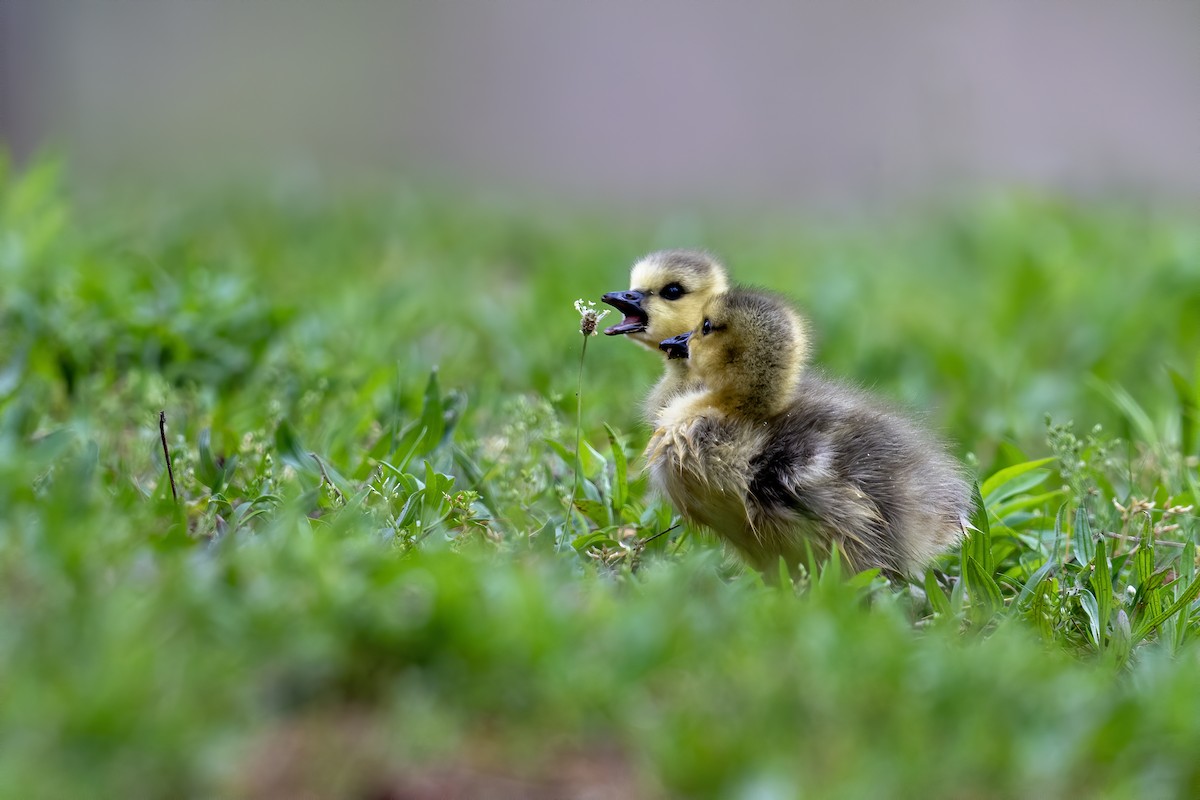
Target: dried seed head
(589,317)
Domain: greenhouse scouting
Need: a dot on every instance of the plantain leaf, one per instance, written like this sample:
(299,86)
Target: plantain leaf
(1085,544)
(620,492)
(979,540)
(1035,580)
(984,591)
(1101,582)
(1150,623)
(937,598)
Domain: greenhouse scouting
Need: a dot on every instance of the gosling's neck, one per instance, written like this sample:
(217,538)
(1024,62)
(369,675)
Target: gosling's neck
(755,396)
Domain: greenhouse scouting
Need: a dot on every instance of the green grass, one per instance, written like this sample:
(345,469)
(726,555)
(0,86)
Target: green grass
(370,580)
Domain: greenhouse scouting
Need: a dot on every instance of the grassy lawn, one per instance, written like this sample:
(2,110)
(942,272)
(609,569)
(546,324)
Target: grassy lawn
(369,585)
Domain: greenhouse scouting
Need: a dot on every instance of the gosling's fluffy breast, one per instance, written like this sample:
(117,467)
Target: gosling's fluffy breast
(700,459)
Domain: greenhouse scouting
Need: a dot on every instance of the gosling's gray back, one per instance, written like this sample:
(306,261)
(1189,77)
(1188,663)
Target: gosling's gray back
(847,468)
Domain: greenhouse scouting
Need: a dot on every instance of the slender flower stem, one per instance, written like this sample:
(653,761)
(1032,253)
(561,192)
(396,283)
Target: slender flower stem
(578,429)
(589,319)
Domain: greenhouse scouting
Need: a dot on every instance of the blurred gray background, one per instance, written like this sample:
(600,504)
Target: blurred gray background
(653,102)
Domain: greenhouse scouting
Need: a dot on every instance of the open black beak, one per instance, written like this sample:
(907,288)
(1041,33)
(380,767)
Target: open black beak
(676,346)
(630,304)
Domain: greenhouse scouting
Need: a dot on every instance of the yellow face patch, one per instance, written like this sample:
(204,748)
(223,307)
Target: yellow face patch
(704,348)
(748,350)
(676,286)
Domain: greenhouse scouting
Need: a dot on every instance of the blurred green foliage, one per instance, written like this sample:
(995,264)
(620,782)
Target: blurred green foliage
(372,578)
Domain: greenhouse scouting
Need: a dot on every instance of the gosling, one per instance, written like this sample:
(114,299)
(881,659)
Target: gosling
(775,460)
(669,290)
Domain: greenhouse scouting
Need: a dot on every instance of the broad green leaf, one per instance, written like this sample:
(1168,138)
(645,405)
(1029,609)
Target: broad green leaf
(594,464)
(592,492)
(985,592)
(543,538)
(433,417)
(1185,599)
(599,513)
(1035,580)
(411,511)
(593,539)
(1120,643)
(1085,544)
(1101,582)
(561,450)
(1091,610)
(406,482)
(1149,590)
(1151,600)
(1041,610)
(861,581)
(1060,534)
(937,598)
(979,540)
(1005,510)
(1014,479)
(958,592)
(423,435)
(620,493)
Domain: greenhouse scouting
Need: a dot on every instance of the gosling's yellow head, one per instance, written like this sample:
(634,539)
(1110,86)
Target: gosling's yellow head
(667,294)
(748,349)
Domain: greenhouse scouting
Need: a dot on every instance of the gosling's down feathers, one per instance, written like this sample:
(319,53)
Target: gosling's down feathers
(771,457)
(667,294)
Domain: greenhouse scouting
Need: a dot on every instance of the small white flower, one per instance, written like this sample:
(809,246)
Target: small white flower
(589,317)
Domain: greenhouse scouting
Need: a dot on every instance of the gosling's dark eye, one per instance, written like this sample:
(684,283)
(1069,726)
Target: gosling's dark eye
(672,291)
(706,328)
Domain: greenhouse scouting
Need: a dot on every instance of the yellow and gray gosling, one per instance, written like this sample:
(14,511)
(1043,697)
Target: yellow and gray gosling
(771,457)
(667,294)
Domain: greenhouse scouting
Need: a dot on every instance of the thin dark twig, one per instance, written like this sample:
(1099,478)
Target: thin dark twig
(162,434)
(660,533)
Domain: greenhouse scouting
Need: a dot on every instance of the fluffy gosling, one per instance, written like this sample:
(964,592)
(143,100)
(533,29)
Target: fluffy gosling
(772,458)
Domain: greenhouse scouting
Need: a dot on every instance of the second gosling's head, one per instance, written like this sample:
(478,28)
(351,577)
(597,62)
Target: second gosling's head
(749,350)
(667,294)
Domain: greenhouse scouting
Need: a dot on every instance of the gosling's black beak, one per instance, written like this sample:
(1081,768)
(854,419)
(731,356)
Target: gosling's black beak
(676,346)
(628,303)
